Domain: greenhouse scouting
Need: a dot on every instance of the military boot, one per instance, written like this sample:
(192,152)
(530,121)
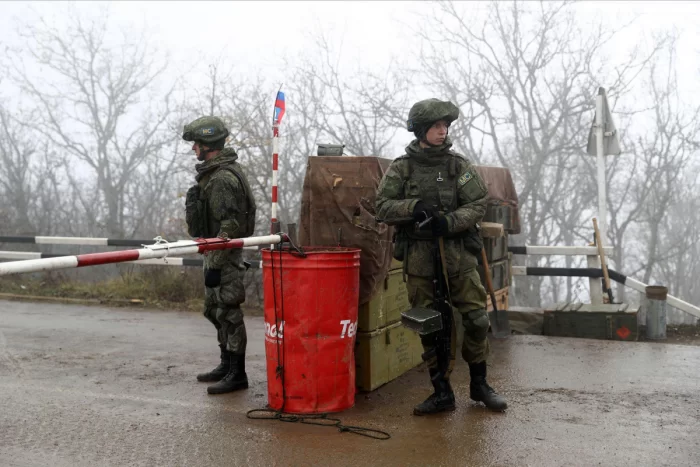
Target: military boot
(220,371)
(234,380)
(443,399)
(480,391)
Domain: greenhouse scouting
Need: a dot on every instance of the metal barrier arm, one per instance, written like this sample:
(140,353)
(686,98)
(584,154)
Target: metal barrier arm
(557,250)
(186,262)
(82,241)
(596,273)
(161,249)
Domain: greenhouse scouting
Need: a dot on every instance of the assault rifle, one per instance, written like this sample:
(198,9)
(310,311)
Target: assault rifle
(434,324)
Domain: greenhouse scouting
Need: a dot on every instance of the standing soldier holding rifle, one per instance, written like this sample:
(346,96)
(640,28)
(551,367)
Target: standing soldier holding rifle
(437,189)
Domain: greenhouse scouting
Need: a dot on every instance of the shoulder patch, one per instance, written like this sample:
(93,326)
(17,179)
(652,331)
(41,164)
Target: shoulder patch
(465,178)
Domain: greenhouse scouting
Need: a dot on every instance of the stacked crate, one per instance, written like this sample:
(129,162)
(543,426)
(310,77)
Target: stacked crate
(384,348)
(497,255)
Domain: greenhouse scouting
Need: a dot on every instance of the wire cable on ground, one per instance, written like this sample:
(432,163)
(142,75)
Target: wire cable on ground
(317,419)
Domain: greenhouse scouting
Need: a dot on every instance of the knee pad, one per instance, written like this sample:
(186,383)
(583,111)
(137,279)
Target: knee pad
(476,323)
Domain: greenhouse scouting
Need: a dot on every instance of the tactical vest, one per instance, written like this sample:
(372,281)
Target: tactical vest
(202,225)
(435,185)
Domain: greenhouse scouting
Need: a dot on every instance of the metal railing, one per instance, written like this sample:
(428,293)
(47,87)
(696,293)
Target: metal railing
(594,272)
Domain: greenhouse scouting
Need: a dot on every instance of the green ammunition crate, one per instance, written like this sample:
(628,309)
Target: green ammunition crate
(387,304)
(385,354)
(608,321)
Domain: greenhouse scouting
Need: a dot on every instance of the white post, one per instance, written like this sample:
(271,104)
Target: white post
(596,288)
(600,160)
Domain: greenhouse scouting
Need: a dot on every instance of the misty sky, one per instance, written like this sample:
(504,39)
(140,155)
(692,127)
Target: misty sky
(258,35)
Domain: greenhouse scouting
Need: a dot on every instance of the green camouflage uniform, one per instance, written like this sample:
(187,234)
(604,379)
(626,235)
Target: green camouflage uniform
(217,206)
(447,181)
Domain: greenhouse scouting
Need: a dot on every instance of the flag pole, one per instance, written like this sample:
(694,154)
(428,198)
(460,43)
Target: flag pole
(278,112)
(276,120)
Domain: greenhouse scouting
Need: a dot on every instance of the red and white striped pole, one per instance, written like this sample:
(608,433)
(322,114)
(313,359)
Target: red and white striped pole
(157,250)
(276,120)
(275,165)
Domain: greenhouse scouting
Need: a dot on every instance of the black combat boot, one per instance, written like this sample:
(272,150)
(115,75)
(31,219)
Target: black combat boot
(443,399)
(480,391)
(220,371)
(234,380)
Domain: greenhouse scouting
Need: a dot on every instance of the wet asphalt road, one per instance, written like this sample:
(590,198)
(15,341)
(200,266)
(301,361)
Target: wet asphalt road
(89,386)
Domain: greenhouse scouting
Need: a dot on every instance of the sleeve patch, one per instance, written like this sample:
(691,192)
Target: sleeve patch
(465,178)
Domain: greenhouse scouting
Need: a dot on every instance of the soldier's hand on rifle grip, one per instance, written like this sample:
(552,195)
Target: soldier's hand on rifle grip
(423,211)
(440,226)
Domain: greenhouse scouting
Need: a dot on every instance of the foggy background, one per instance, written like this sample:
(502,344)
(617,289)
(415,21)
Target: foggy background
(93,97)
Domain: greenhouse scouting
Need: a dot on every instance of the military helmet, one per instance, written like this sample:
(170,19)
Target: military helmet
(426,112)
(205,129)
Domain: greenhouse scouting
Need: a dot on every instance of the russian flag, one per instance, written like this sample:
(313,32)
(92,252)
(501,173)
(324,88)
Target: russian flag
(279,108)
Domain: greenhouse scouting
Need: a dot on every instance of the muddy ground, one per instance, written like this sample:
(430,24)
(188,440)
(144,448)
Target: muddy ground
(95,386)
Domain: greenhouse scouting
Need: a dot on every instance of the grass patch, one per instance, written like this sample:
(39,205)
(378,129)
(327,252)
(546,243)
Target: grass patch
(154,287)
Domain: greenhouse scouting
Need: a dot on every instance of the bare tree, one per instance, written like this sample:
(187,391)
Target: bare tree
(16,180)
(649,181)
(98,103)
(360,108)
(525,79)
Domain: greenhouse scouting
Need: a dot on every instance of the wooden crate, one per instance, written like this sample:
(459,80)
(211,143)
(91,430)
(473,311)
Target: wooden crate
(386,305)
(501,299)
(606,321)
(385,354)
(500,214)
(492,229)
(500,273)
(496,248)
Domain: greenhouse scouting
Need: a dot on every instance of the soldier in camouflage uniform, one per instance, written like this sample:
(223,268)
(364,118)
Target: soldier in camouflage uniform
(432,181)
(220,204)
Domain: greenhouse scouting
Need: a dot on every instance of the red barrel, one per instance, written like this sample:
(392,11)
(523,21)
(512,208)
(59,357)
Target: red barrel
(310,326)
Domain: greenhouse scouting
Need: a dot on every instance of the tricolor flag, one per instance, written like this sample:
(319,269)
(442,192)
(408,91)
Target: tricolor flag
(279,109)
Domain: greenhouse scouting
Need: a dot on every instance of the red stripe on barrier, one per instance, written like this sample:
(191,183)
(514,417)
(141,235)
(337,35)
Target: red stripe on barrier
(220,245)
(275,161)
(93,259)
(274,194)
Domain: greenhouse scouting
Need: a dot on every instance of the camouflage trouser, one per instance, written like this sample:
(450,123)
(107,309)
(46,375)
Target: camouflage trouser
(222,306)
(469,297)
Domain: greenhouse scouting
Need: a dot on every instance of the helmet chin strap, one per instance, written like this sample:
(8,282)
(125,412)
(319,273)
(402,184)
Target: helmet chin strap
(203,152)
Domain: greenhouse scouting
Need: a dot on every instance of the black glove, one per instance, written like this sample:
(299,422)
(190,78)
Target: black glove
(439,226)
(423,211)
(212,278)
(192,194)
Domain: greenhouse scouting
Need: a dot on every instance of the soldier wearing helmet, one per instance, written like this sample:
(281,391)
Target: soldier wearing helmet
(432,181)
(220,204)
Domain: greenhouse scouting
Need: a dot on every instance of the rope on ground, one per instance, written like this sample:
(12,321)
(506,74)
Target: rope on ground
(317,419)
